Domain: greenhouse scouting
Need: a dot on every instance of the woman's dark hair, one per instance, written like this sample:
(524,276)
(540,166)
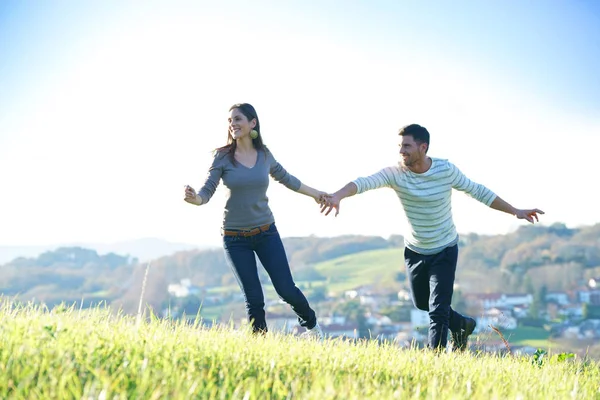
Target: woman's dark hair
(250,113)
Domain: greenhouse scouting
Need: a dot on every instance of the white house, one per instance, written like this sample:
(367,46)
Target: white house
(403,295)
(332,319)
(571,310)
(492,300)
(561,298)
(282,323)
(485,300)
(498,318)
(183,289)
(378,320)
(351,294)
(518,299)
(368,301)
(520,311)
(589,296)
(359,291)
(337,330)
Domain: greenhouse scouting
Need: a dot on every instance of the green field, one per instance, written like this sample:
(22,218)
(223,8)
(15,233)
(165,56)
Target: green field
(79,354)
(528,336)
(368,267)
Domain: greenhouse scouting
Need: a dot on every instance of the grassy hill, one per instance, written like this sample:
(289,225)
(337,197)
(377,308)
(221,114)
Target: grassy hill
(75,354)
(554,257)
(373,267)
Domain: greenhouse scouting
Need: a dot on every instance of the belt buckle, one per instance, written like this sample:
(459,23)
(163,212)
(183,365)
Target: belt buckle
(247,233)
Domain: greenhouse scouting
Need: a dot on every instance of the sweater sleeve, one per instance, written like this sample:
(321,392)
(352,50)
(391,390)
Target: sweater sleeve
(383,178)
(476,190)
(279,173)
(212,179)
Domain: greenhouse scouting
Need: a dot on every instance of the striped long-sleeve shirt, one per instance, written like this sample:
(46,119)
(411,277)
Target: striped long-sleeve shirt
(426,199)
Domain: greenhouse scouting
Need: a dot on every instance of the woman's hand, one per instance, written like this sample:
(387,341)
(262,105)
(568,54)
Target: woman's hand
(321,197)
(191,196)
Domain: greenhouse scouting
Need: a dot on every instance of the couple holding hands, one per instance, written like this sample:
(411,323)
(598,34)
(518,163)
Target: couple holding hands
(423,184)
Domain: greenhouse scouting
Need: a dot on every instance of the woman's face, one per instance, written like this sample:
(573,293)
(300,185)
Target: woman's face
(239,126)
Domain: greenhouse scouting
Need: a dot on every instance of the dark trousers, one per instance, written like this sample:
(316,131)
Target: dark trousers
(431,280)
(240,253)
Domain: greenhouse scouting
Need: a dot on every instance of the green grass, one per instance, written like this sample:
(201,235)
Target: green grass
(528,336)
(223,289)
(211,313)
(73,354)
(367,267)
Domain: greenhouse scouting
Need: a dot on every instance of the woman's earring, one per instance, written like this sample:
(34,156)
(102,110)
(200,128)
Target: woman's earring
(253,134)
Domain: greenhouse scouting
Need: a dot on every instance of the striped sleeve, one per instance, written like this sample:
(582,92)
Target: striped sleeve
(479,192)
(384,178)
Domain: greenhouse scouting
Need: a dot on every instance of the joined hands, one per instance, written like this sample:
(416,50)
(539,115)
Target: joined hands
(330,202)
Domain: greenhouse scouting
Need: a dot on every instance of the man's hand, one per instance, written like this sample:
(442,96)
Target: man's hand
(529,215)
(333,200)
(330,202)
(191,196)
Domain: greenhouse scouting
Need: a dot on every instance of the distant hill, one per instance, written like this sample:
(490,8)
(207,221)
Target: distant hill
(144,249)
(9,253)
(555,257)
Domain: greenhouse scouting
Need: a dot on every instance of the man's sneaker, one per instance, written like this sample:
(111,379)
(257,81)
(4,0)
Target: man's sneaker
(459,339)
(315,333)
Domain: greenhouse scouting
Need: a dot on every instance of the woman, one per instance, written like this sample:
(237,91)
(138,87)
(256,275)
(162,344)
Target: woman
(244,164)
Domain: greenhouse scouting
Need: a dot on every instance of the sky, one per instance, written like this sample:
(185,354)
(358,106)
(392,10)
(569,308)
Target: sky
(107,109)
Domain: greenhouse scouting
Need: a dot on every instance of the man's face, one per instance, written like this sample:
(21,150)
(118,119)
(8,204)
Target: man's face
(410,151)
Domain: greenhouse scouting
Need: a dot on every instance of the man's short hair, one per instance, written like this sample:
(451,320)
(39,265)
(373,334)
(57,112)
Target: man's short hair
(419,133)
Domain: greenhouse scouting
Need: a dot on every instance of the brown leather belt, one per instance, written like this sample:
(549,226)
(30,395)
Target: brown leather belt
(251,232)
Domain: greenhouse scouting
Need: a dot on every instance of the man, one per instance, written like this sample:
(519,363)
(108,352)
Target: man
(424,186)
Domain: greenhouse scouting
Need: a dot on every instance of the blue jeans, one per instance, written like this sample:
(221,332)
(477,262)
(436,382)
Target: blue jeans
(240,252)
(431,281)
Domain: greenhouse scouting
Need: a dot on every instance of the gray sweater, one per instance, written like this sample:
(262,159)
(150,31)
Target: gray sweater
(247,205)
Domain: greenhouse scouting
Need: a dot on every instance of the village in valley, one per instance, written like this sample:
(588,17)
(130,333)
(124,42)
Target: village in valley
(365,313)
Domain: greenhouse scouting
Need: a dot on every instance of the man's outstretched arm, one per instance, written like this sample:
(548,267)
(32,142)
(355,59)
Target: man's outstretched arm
(383,178)
(485,195)
(334,201)
(529,215)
